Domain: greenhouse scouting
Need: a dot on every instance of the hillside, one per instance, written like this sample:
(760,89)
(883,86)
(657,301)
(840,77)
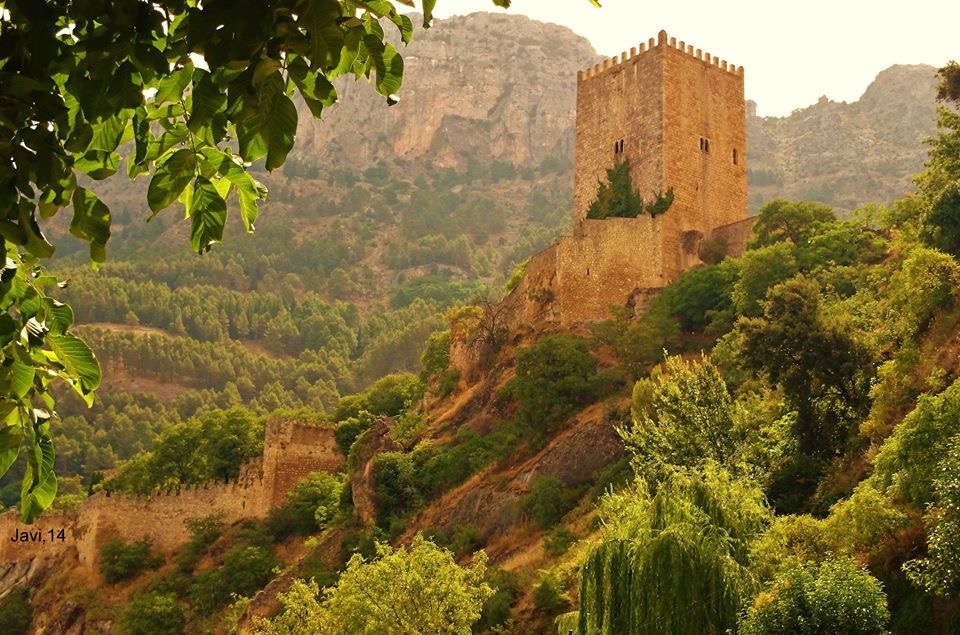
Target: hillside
(366,308)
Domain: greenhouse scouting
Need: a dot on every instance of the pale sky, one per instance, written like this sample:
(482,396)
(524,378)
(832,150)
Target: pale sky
(792,52)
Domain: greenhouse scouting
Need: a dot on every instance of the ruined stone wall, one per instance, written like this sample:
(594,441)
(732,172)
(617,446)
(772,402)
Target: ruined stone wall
(291,450)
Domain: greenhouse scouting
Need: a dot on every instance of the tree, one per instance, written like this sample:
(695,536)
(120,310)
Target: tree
(825,372)
(793,221)
(682,417)
(616,198)
(675,562)
(833,597)
(181,80)
(415,591)
(554,377)
(939,184)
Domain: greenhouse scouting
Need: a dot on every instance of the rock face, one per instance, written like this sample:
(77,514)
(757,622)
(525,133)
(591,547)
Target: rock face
(846,154)
(497,87)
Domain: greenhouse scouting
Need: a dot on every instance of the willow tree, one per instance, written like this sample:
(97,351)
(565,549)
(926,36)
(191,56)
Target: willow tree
(675,562)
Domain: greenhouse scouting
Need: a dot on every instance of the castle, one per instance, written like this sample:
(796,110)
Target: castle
(291,450)
(679,116)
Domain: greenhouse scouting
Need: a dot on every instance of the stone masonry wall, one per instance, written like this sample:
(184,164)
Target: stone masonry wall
(619,101)
(262,484)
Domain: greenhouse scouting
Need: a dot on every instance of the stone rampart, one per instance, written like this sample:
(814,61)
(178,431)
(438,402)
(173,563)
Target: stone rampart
(291,451)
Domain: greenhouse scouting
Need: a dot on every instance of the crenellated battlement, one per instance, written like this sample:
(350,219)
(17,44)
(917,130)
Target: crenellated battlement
(661,42)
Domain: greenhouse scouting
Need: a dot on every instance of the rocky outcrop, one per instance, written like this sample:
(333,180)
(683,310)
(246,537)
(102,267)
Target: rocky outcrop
(487,86)
(846,154)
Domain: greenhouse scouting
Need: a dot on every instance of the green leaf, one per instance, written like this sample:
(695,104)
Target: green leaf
(91,222)
(208,107)
(98,164)
(35,243)
(79,361)
(10,439)
(39,482)
(170,178)
(21,379)
(171,87)
(404,25)
(388,64)
(108,133)
(59,316)
(208,215)
(428,6)
(282,128)
(265,67)
(249,191)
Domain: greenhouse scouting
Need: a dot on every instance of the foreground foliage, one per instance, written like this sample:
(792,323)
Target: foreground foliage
(420,590)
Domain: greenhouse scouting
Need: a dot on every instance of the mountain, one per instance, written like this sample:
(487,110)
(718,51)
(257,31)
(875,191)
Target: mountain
(844,154)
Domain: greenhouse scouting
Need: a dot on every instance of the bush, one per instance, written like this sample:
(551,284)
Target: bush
(348,430)
(697,293)
(312,502)
(120,561)
(548,595)
(548,500)
(394,486)
(554,377)
(558,541)
(496,610)
(436,353)
(833,597)
(203,531)
(15,613)
(152,614)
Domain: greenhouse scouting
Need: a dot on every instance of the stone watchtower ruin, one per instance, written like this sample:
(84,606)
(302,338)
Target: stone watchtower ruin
(679,116)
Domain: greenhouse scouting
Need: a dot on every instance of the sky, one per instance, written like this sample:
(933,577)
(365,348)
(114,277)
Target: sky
(792,52)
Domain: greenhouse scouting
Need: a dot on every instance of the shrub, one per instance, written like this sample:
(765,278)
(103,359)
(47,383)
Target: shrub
(120,561)
(554,377)
(313,501)
(516,276)
(152,614)
(394,485)
(697,293)
(548,595)
(761,269)
(548,500)
(558,541)
(833,597)
(348,430)
(203,532)
(496,610)
(436,353)
(15,612)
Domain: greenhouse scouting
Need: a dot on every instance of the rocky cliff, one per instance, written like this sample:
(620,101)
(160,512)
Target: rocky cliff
(495,87)
(846,154)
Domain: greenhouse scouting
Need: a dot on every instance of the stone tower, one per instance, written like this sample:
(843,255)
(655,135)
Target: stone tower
(679,116)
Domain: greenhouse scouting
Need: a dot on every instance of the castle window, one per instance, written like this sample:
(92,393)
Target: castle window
(704,145)
(618,148)
(734,156)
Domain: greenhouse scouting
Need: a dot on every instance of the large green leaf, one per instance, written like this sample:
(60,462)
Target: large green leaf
(10,438)
(281,129)
(170,178)
(21,379)
(79,361)
(208,215)
(91,222)
(39,482)
(249,191)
